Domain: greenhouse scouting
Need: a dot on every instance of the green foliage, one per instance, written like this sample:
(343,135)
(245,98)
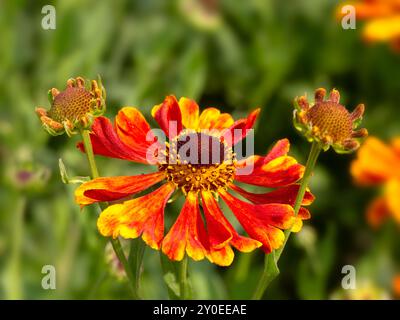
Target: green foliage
(255,53)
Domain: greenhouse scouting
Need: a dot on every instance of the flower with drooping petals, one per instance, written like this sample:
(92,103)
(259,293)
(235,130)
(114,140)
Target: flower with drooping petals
(378,164)
(201,229)
(328,122)
(74,108)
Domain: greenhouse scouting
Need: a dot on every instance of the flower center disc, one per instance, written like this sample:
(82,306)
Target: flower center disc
(71,104)
(332,119)
(198,161)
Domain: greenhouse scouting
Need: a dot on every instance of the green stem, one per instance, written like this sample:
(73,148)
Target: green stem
(312,160)
(135,259)
(116,244)
(271,270)
(89,153)
(183,279)
(13,282)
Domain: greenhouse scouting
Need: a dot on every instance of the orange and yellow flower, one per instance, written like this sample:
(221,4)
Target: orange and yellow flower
(382,20)
(201,229)
(396,286)
(378,163)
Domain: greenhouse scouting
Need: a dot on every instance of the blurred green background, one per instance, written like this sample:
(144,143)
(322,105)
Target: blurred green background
(235,55)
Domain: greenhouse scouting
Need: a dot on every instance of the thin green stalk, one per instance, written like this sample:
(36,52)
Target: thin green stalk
(116,244)
(183,279)
(271,269)
(135,259)
(13,282)
(89,153)
(312,160)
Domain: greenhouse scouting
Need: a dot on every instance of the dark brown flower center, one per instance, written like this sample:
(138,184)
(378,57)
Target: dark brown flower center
(71,104)
(199,161)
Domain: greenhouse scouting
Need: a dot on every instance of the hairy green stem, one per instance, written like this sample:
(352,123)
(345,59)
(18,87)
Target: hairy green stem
(271,269)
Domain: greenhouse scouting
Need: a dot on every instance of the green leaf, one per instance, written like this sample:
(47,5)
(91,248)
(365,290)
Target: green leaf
(271,271)
(135,259)
(172,283)
(69,180)
(170,272)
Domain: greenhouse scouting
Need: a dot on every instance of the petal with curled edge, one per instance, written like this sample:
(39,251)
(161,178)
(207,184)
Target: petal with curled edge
(169,117)
(110,189)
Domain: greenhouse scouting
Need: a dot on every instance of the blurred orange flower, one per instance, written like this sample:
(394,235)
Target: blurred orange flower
(378,163)
(396,286)
(199,231)
(382,20)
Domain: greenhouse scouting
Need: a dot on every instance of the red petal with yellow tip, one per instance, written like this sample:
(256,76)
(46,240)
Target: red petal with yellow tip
(303,214)
(262,222)
(281,148)
(219,234)
(213,212)
(110,189)
(282,195)
(212,118)
(240,128)
(140,216)
(187,234)
(279,172)
(168,116)
(254,162)
(190,113)
(208,117)
(106,142)
(222,257)
(133,130)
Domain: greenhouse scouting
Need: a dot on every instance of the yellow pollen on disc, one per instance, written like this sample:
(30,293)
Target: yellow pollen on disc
(330,121)
(204,162)
(71,104)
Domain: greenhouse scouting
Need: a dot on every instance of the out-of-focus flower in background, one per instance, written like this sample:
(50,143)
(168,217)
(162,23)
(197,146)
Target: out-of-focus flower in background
(396,286)
(378,164)
(365,290)
(203,14)
(382,20)
(24,173)
(115,266)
